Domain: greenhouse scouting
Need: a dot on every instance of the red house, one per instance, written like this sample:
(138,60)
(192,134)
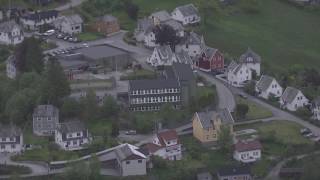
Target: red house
(210,60)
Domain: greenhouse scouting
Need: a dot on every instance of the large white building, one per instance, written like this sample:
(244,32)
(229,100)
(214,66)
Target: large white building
(252,60)
(10,33)
(247,151)
(34,20)
(130,161)
(72,135)
(166,145)
(11,139)
(192,43)
(186,14)
(238,74)
(268,86)
(71,25)
(292,99)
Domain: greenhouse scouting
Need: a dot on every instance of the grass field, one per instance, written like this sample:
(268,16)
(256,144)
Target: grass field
(280,32)
(255,111)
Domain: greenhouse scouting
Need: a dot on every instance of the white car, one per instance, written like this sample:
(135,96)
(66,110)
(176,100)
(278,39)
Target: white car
(49,32)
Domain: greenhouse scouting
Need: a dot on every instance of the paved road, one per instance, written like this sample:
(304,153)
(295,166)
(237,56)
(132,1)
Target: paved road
(72,3)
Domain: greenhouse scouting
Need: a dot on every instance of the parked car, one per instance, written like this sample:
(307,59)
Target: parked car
(131,132)
(49,32)
(66,38)
(309,135)
(60,36)
(243,95)
(305,131)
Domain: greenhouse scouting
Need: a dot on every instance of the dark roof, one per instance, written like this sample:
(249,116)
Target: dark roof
(234,171)
(128,152)
(151,148)
(209,51)
(289,94)
(161,15)
(250,57)
(71,126)
(167,135)
(183,71)
(38,16)
(316,101)
(177,26)
(242,146)
(145,24)
(101,51)
(206,118)
(46,110)
(153,84)
(183,57)
(192,38)
(188,10)
(9,131)
(264,83)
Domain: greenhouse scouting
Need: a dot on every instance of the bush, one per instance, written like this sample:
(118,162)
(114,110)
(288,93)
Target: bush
(241,111)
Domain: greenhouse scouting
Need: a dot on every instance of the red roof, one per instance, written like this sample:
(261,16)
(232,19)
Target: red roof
(152,147)
(242,146)
(168,135)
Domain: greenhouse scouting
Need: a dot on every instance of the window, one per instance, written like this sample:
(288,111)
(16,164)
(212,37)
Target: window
(74,142)
(127,162)
(3,146)
(78,134)
(3,139)
(13,146)
(11,139)
(139,161)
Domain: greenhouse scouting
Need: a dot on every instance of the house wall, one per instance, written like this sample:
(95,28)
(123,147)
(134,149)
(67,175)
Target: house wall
(45,126)
(106,27)
(15,37)
(237,80)
(203,135)
(192,50)
(177,15)
(236,177)
(11,146)
(11,70)
(316,112)
(71,144)
(214,63)
(254,66)
(274,89)
(299,101)
(155,59)
(248,156)
(134,167)
(71,28)
(34,25)
(150,39)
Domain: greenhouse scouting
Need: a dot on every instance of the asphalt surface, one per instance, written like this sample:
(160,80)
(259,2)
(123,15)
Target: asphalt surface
(69,5)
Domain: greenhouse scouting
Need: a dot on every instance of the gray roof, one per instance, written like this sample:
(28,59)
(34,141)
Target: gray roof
(101,51)
(71,126)
(9,131)
(188,10)
(8,26)
(234,67)
(209,51)
(192,38)
(226,116)
(289,94)
(165,53)
(145,24)
(161,15)
(264,83)
(177,26)
(153,84)
(250,57)
(183,57)
(128,152)
(108,18)
(46,111)
(74,19)
(183,71)
(206,118)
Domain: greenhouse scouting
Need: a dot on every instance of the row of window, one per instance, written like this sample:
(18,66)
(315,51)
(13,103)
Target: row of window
(11,139)
(75,142)
(246,155)
(77,135)
(155,99)
(44,118)
(139,161)
(13,146)
(155,91)
(150,108)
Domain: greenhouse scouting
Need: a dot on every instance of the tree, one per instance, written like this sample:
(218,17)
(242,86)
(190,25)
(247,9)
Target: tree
(29,56)
(312,76)
(115,128)
(131,9)
(167,113)
(209,8)
(55,85)
(250,88)
(29,80)
(94,167)
(304,112)
(311,169)
(225,140)
(110,108)
(166,35)
(90,107)
(70,108)
(241,110)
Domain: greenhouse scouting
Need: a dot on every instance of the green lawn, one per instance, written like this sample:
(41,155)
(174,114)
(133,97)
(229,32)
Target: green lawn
(11,170)
(88,36)
(255,111)
(139,74)
(280,33)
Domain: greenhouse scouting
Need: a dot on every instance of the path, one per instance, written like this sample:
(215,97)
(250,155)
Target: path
(69,5)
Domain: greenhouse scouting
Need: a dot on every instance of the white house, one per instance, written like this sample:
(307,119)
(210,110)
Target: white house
(160,17)
(72,135)
(186,14)
(11,139)
(293,99)
(150,38)
(69,24)
(10,33)
(184,58)
(166,144)
(177,26)
(11,68)
(45,120)
(315,108)
(247,151)
(267,86)
(144,26)
(130,161)
(238,74)
(34,20)
(191,43)
(252,60)
(162,55)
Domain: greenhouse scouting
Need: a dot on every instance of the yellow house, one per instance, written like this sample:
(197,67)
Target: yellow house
(206,125)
